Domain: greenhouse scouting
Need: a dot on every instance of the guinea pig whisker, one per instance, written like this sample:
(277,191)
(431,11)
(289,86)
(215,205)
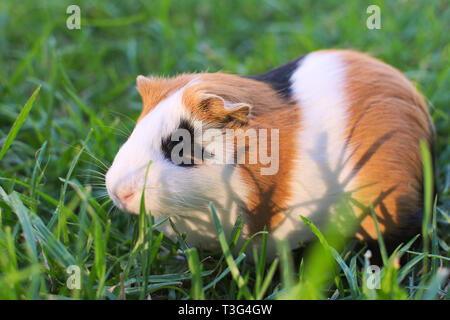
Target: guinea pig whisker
(102,197)
(98,166)
(97,160)
(118,131)
(92,173)
(101,194)
(91,177)
(122,115)
(96,172)
(102,191)
(97,188)
(97,182)
(97,185)
(110,210)
(107,203)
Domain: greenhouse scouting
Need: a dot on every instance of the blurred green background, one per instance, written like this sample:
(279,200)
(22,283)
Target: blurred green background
(87,80)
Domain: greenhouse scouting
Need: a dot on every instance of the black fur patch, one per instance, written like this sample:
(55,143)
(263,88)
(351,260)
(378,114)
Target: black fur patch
(167,146)
(280,78)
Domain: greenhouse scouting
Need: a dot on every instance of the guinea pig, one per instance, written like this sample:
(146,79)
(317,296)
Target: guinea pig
(330,130)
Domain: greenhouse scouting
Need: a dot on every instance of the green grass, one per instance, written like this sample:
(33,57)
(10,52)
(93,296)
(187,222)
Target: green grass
(56,147)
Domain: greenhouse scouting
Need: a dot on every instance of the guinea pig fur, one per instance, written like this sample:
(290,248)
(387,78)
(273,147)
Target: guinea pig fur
(348,129)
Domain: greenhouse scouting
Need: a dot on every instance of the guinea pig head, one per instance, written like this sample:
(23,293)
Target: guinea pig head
(184,169)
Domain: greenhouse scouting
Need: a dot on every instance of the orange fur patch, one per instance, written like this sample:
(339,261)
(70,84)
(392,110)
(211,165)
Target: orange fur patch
(388,118)
(153,90)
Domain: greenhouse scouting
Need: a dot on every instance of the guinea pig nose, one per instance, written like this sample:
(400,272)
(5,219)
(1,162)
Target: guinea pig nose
(125,197)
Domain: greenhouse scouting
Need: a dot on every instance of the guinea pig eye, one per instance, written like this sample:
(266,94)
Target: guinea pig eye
(188,160)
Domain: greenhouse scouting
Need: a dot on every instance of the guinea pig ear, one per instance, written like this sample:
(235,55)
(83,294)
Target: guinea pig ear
(223,112)
(238,111)
(143,85)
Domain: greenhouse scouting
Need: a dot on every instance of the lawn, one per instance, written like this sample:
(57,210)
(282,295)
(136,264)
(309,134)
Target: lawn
(68,101)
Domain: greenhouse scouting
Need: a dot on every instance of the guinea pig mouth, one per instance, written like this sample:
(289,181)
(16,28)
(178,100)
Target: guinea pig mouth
(122,202)
(129,207)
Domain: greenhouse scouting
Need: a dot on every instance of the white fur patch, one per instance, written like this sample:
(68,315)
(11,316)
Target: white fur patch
(318,86)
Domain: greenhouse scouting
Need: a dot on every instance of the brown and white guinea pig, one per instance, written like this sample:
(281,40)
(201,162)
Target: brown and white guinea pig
(347,126)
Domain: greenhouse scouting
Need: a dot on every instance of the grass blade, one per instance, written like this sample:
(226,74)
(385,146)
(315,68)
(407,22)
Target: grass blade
(384,255)
(196,278)
(347,272)
(18,123)
(228,257)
